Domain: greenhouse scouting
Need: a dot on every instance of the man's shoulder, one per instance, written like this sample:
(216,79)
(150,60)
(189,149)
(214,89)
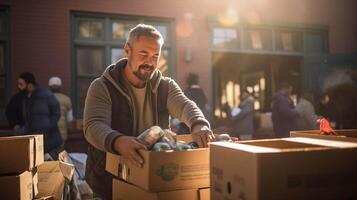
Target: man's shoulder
(41,91)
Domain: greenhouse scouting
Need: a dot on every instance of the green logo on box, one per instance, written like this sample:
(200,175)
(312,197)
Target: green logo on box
(168,171)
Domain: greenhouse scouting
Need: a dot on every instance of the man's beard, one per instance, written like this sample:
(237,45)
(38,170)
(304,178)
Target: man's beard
(142,74)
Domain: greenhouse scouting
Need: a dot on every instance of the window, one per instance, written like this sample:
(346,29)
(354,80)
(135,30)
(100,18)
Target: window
(258,39)
(98,40)
(4,63)
(287,40)
(270,38)
(225,38)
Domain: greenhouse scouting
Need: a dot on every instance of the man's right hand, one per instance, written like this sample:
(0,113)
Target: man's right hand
(128,147)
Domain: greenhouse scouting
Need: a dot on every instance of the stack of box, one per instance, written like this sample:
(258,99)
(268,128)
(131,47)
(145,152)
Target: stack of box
(165,175)
(289,168)
(20,156)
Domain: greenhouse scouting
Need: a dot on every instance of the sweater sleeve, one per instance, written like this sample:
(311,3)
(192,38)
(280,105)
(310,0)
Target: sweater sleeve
(179,106)
(97,117)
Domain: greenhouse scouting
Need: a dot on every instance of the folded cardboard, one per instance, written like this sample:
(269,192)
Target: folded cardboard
(51,178)
(20,153)
(342,135)
(291,168)
(22,186)
(164,171)
(126,191)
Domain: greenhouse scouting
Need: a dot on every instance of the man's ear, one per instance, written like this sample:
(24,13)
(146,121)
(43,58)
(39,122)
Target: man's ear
(127,50)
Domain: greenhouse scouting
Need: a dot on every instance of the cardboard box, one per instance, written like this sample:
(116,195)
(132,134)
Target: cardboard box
(164,171)
(290,168)
(126,191)
(22,186)
(343,135)
(51,178)
(20,153)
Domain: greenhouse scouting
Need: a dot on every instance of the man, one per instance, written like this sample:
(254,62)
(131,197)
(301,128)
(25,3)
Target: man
(195,92)
(307,118)
(284,115)
(55,84)
(42,111)
(244,120)
(130,97)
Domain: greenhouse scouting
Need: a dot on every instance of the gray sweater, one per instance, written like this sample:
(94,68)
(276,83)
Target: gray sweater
(98,108)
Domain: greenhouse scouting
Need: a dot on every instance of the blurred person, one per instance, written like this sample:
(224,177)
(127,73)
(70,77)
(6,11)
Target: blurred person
(130,97)
(55,84)
(244,120)
(284,115)
(195,92)
(42,112)
(241,119)
(307,116)
(14,111)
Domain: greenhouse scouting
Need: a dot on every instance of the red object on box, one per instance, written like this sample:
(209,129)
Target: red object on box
(325,128)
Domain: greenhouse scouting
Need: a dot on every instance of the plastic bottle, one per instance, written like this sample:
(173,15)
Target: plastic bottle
(169,137)
(161,146)
(151,136)
(181,146)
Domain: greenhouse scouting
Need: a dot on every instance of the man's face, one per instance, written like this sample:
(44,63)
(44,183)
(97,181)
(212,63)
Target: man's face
(143,57)
(243,95)
(21,85)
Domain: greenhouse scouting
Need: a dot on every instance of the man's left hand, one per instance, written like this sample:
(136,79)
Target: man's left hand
(202,135)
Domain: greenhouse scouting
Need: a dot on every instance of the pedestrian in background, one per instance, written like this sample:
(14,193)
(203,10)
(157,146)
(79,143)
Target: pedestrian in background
(42,112)
(307,116)
(55,84)
(284,115)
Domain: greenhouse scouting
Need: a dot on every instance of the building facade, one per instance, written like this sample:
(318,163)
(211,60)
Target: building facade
(232,45)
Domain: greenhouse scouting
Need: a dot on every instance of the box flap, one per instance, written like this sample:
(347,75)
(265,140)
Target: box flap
(323,142)
(51,178)
(347,135)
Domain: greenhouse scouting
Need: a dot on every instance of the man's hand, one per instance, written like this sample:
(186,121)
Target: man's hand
(202,135)
(128,147)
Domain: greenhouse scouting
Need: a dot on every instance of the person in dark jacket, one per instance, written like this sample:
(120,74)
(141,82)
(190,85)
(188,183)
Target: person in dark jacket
(42,112)
(195,92)
(284,115)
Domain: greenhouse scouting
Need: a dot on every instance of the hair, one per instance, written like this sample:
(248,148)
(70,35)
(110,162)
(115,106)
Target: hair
(144,30)
(28,78)
(284,85)
(192,79)
(245,90)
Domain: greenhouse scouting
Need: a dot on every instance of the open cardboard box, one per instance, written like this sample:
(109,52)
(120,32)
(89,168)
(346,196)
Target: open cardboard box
(290,168)
(21,186)
(51,178)
(126,191)
(164,171)
(20,153)
(343,135)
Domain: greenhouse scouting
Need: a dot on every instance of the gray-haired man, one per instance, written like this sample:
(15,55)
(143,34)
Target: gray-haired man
(130,97)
